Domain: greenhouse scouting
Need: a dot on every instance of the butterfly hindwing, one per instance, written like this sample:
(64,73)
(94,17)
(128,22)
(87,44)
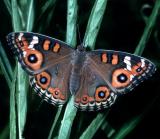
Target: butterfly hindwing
(108,74)
(45,59)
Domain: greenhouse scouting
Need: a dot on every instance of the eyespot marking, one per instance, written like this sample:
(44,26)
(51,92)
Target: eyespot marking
(46,45)
(138,68)
(104,58)
(102,93)
(33,59)
(56,93)
(120,78)
(43,80)
(56,48)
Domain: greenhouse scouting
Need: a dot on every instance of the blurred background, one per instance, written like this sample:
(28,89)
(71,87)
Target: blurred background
(121,29)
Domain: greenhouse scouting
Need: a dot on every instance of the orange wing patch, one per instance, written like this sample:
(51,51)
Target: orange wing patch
(56,47)
(114,59)
(46,45)
(104,58)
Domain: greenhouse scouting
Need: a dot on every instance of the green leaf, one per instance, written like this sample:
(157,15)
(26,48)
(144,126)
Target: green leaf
(5,65)
(148,29)
(71,22)
(30,19)
(55,122)
(66,124)
(16,22)
(13,116)
(94,126)
(94,23)
(109,131)
(48,5)
(21,99)
(8,5)
(70,111)
(127,128)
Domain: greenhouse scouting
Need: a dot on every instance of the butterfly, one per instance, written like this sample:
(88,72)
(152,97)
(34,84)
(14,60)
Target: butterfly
(95,78)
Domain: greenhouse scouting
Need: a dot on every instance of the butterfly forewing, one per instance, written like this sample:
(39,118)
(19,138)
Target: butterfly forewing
(45,59)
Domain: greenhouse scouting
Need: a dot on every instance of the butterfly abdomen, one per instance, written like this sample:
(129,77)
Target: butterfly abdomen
(75,77)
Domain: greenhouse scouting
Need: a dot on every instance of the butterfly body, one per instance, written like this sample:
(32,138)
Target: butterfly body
(95,78)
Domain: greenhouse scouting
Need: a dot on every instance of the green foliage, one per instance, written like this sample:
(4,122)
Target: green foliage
(23,15)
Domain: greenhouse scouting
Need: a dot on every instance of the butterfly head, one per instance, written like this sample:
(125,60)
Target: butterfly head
(81,48)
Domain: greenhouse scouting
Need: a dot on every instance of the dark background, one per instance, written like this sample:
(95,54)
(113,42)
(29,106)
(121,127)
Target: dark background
(121,29)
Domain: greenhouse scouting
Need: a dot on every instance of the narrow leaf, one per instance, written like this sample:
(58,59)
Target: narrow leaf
(48,4)
(6,62)
(30,19)
(13,133)
(16,22)
(148,29)
(94,23)
(71,22)
(66,124)
(8,5)
(94,126)
(54,123)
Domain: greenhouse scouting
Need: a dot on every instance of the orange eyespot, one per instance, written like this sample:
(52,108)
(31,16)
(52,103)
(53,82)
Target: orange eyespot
(33,59)
(43,80)
(56,93)
(56,47)
(102,93)
(120,78)
(46,45)
(137,69)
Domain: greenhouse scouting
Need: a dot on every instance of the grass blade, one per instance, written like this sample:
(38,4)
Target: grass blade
(55,122)
(48,5)
(127,128)
(13,123)
(70,111)
(106,127)
(21,99)
(6,61)
(148,29)
(16,22)
(3,68)
(66,124)
(30,19)
(8,5)
(94,126)
(71,22)
(4,134)
(94,23)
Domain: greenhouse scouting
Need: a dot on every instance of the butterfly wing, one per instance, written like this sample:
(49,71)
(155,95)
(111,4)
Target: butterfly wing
(108,74)
(47,61)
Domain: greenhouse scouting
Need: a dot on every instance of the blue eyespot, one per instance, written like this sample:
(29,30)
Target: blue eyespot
(101,94)
(43,80)
(32,58)
(122,78)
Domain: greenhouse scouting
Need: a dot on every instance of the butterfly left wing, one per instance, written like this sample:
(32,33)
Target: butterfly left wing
(47,61)
(107,74)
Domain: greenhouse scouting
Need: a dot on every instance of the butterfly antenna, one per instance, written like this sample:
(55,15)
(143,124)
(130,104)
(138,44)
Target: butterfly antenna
(79,35)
